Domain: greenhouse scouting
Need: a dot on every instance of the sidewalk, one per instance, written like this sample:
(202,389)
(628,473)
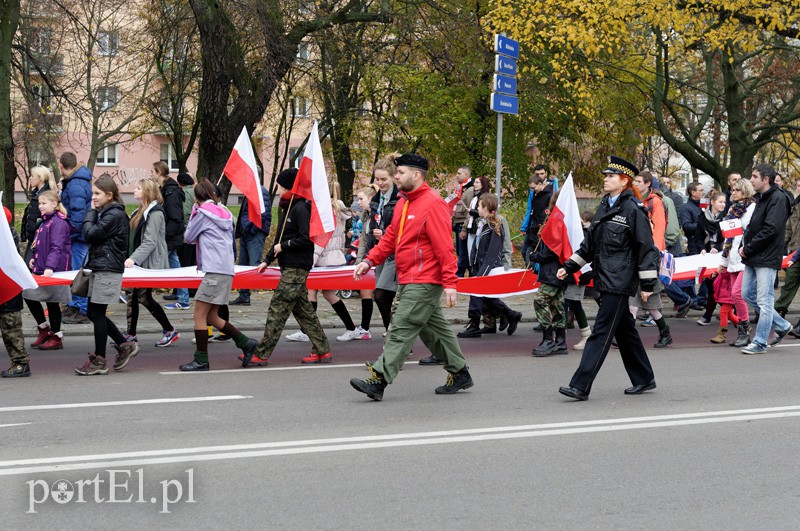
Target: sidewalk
(252,318)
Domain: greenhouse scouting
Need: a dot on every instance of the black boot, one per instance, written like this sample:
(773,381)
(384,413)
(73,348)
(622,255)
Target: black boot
(455,382)
(795,333)
(513,320)
(547,345)
(664,339)
(560,345)
(743,338)
(473,330)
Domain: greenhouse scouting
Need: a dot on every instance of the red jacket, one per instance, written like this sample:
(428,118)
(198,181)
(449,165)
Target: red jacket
(424,253)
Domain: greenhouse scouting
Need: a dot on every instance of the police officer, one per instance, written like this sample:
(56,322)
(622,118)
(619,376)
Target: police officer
(624,260)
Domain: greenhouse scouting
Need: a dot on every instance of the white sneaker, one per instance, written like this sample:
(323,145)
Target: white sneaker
(298,336)
(358,333)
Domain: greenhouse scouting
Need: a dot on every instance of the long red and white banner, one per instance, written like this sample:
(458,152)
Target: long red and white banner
(498,284)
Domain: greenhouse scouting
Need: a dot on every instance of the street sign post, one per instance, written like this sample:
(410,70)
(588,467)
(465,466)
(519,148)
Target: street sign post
(504,93)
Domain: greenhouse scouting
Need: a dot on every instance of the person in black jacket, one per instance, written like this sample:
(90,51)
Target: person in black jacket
(624,260)
(295,253)
(543,192)
(173,213)
(762,254)
(251,238)
(106,230)
(690,218)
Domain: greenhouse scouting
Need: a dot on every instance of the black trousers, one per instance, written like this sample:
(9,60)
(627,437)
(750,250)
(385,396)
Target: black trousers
(614,320)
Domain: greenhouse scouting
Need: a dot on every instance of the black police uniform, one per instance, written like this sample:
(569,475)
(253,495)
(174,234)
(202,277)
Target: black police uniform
(623,257)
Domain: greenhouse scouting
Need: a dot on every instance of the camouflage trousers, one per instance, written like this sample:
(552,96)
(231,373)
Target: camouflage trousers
(13,338)
(549,306)
(291,297)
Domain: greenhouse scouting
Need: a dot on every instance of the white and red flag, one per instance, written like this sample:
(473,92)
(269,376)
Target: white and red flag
(242,171)
(563,231)
(731,228)
(14,276)
(312,183)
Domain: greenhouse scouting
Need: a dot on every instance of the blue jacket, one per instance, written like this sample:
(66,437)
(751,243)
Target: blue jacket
(76,196)
(246,228)
(527,219)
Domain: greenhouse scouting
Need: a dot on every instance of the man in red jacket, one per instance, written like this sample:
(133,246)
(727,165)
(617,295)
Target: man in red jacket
(421,241)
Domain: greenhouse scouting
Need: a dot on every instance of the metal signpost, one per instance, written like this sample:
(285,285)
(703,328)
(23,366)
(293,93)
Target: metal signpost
(504,93)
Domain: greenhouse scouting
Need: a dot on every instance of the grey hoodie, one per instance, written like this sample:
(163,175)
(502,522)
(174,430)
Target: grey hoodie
(211,229)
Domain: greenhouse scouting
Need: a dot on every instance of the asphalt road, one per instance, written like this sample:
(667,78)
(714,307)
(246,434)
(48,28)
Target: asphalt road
(291,447)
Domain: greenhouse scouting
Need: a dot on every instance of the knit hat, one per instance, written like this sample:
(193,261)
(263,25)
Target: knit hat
(185,179)
(286,178)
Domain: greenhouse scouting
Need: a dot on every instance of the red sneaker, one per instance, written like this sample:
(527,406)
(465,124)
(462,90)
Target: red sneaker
(44,333)
(318,358)
(53,343)
(255,360)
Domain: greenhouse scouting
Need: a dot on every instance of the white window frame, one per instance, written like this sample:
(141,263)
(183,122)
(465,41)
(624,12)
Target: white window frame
(108,43)
(292,152)
(105,153)
(171,161)
(303,52)
(107,97)
(301,106)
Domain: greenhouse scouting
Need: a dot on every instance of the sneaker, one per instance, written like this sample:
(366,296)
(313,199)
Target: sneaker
(17,370)
(648,322)
(298,336)
(177,306)
(704,321)
(221,338)
(683,309)
(754,348)
(357,334)
(455,382)
(372,387)
(76,318)
(254,361)
(125,351)
(126,338)
(317,358)
(94,365)
(169,338)
(775,340)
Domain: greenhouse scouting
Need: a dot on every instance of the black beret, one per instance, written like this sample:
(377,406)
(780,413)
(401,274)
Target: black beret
(413,160)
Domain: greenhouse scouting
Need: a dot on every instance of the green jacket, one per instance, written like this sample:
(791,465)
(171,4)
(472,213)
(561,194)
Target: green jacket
(188,203)
(673,226)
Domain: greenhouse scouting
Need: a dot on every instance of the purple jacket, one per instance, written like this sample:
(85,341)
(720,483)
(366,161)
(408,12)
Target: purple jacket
(211,229)
(52,247)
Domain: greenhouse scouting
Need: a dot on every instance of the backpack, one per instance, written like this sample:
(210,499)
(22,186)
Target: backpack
(667,268)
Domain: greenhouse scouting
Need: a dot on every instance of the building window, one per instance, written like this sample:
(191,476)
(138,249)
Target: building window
(107,97)
(301,106)
(303,52)
(294,158)
(41,97)
(108,43)
(168,156)
(108,155)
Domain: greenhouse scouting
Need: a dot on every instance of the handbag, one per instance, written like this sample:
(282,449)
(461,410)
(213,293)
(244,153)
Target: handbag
(80,284)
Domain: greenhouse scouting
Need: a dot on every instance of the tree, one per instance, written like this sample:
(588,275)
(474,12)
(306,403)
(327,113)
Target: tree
(247,49)
(719,75)
(9,19)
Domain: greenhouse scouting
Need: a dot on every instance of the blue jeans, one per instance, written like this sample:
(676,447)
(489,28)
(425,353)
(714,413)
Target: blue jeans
(79,251)
(175,262)
(251,249)
(462,253)
(758,289)
(527,247)
(678,296)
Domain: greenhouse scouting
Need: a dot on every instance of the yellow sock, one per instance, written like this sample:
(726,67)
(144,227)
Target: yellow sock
(210,331)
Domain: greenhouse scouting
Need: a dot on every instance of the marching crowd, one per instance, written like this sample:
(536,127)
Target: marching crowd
(418,244)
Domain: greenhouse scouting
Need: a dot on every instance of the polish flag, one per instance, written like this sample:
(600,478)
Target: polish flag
(731,228)
(563,231)
(312,184)
(242,171)
(14,276)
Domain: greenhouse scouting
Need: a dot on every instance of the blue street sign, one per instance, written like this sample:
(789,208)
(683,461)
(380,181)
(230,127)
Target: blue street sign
(505,65)
(505,85)
(506,46)
(504,104)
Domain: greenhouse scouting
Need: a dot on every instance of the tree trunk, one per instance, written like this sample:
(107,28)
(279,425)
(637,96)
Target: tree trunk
(9,19)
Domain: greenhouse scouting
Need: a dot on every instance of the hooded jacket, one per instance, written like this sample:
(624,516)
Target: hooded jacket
(211,229)
(763,239)
(620,248)
(246,228)
(107,232)
(538,212)
(76,196)
(173,212)
(52,248)
(297,249)
(424,248)
(148,246)
(379,220)
(32,214)
(488,253)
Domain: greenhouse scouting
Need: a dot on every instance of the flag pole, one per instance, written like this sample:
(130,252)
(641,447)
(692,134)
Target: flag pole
(283,227)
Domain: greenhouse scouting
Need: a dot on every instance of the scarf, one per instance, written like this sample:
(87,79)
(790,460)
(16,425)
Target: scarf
(736,211)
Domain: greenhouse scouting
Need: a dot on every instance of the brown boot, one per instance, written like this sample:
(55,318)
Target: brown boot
(720,337)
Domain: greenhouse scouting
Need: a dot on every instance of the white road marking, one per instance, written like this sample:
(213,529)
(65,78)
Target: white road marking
(254,369)
(17,424)
(123,403)
(269,449)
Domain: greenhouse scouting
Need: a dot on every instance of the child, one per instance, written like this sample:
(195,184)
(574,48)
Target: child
(11,326)
(148,247)
(51,251)
(573,296)
(367,306)
(549,300)
(295,253)
(105,229)
(210,228)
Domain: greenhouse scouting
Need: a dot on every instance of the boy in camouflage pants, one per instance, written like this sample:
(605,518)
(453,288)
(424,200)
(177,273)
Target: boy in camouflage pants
(11,329)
